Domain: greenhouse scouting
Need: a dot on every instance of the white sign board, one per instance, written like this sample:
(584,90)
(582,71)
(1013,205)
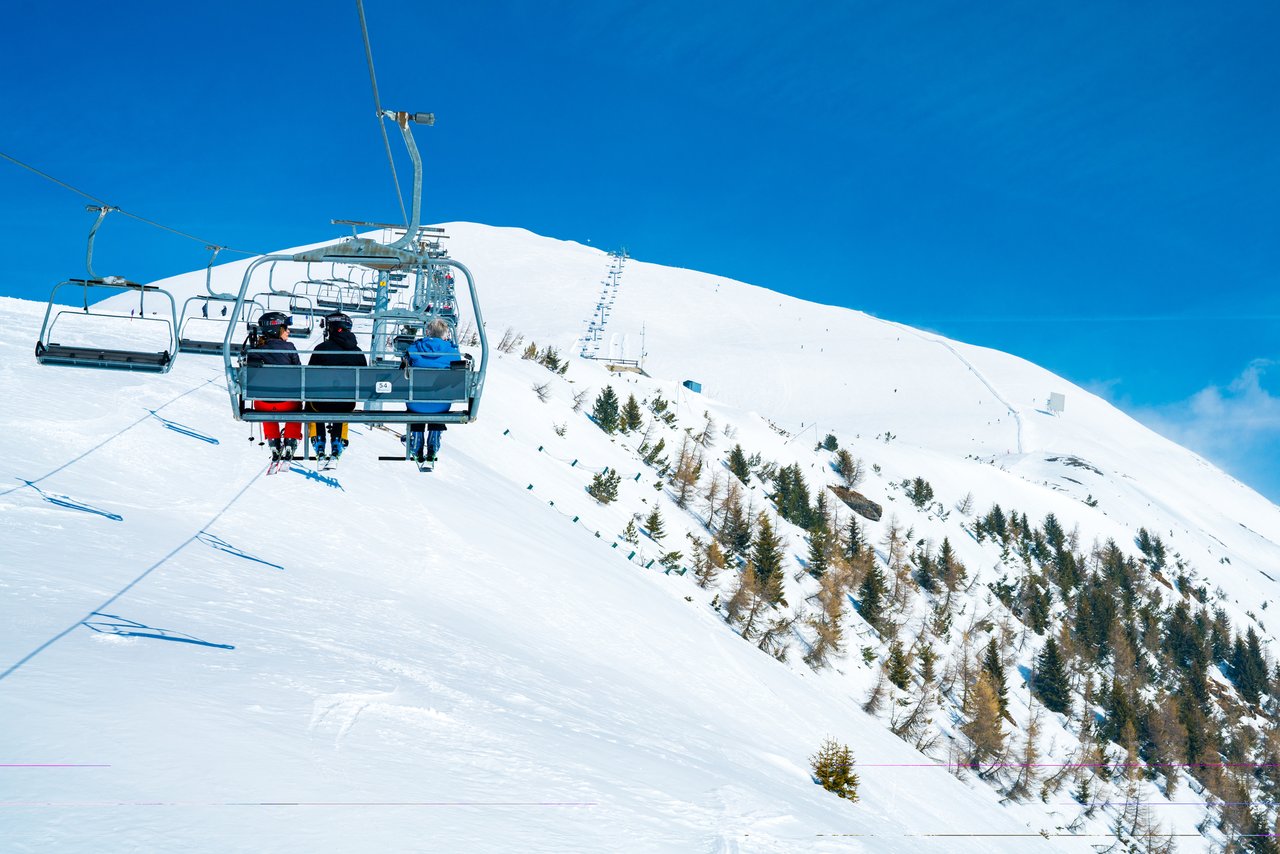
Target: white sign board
(1057,402)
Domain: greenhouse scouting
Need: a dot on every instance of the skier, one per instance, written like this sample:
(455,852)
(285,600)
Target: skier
(204,309)
(339,348)
(272,347)
(432,351)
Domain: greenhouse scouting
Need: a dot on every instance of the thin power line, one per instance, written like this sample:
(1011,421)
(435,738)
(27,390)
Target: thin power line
(104,202)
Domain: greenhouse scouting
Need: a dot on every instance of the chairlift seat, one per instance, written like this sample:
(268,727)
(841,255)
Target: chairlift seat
(202,348)
(360,385)
(98,357)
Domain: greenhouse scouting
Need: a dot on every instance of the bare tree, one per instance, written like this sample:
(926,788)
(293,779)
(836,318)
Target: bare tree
(580,399)
(1030,756)
(543,391)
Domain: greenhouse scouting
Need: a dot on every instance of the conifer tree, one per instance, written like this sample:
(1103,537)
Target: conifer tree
(653,524)
(995,669)
(873,597)
(854,542)
(738,464)
(849,468)
(927,659)
(898,671)
(829,636)
(766,556)
(631,418)
(736,533)
(747,602)
(833,767)
(630,534)
(605,410)
(708,561)
(604,486)
(1050,679)
(819,549)
(952,570)
(985,727)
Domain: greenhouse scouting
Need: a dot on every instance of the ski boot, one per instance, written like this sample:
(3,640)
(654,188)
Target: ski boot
(290,448)
(336,447)
(317,444)
(414,445)
(277,449)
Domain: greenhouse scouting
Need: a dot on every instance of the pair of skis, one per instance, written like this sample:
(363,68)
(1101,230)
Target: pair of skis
(283,464)
(424,465)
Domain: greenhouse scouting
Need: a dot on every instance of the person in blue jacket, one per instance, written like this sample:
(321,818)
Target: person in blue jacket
(434,350)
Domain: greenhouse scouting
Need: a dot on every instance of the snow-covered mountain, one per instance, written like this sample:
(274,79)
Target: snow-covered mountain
(196,656)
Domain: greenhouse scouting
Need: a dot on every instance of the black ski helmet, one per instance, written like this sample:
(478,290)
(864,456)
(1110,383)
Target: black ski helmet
(271,324)
(336,321)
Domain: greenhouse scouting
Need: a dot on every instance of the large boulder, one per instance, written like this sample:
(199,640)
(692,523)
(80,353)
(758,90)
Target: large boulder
(859,503)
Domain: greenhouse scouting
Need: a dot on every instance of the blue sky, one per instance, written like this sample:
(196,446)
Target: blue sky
(1092,186)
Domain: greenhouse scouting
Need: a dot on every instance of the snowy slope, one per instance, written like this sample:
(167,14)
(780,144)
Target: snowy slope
(450,643)
(455,648)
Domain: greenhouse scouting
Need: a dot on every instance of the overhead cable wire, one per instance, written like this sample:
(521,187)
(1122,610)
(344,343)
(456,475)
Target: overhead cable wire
(120,210)
(377,109)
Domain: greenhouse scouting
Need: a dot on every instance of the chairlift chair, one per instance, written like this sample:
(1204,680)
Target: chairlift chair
(205,344)
(383,383)
(102,351)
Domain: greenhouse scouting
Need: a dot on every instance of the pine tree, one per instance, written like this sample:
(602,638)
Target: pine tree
(992,665)
(873,597)
(1050,679)
(738,464)
(708,561)
(927,659)
(854,542)
(830,443)
(849,468)
(630,534)
(604,486)
(653,525)
(736,533)
(833,767)
(747,602)
(985,727)
(829,636)
(819,549)
(920,492)
(952,570)
(766,556)
(631,418)
(605,410)
(898,671)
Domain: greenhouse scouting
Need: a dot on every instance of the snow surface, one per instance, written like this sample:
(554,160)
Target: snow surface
(380,658)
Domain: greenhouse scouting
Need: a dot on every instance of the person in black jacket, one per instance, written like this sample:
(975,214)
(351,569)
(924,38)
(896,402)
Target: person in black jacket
(272,347)
(339,349)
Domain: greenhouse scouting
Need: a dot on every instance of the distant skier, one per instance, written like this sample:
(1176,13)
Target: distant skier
(341,349)
(432,351)
(204,309)
(272,347)
(224,311)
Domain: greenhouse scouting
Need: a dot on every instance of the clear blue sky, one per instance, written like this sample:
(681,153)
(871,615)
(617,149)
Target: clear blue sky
(1093,186)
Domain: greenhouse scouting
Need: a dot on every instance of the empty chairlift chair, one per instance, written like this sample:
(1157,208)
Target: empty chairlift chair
(86,332)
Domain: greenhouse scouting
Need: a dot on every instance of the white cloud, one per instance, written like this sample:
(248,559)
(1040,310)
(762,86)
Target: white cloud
(1237,427)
